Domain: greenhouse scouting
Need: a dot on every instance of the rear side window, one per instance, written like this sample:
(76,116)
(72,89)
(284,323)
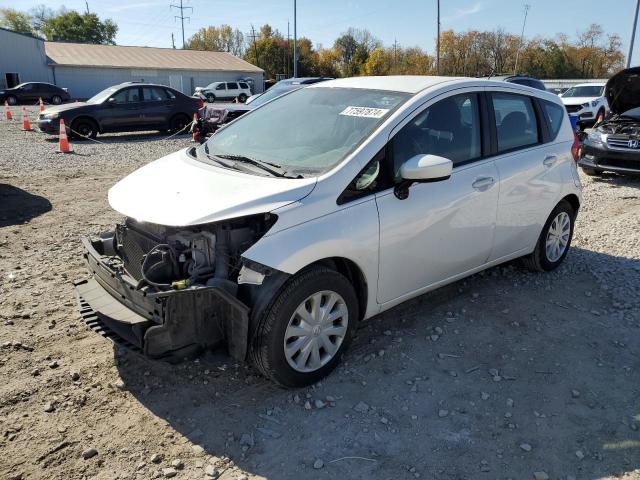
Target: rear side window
(243,85)
(516,123)
(555,114)
(232,86)
(154,94)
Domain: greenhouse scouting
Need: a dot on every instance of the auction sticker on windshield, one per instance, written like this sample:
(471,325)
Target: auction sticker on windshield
(368,112)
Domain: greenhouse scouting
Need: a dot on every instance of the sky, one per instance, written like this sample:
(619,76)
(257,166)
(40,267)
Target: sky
(409,22)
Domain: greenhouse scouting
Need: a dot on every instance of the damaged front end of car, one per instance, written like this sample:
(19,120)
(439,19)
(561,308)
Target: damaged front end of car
(174,291)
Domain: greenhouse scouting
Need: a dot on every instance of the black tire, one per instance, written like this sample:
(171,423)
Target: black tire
(178,122)
(12,100)
(56,100)
(84,127)
(242,98)
(210,97)
(538,260)
(267,347)
(592,172)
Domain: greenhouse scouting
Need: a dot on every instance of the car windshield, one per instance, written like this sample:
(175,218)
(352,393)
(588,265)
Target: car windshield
(270,95)
(584,91)
(308,131)
(103,95)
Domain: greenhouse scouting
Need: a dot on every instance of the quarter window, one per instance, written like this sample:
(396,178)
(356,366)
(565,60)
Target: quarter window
(449,128)
(555,114)
(515,121)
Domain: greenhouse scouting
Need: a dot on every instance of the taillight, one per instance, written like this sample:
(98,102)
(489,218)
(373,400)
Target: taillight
(199,104)
(575,148)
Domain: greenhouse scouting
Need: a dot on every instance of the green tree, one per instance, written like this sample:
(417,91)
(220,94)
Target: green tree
(70,26)
(219,39)
(15,20)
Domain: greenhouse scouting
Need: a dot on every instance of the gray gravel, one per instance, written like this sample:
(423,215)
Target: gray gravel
(506,374)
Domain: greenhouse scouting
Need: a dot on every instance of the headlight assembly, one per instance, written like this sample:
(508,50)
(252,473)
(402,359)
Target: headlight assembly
(596,137)
(594,103)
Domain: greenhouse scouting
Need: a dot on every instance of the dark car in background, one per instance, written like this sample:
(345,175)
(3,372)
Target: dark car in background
(128,107)
(614,143)
(32,92)
(521,80)
(218,114)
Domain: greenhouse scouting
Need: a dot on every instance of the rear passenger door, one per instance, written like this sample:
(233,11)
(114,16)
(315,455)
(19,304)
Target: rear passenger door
(157,107)
(232,90)
(528,167)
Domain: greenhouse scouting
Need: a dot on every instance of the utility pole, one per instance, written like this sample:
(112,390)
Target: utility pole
(295,41)
(633,34)
(524,22)
(182,17)
(87,4)
(438,43)
(255,47)
(395,50)
(173,41)
(288,62)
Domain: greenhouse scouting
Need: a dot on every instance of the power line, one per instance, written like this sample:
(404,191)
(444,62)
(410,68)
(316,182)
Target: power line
(524,22)
(182,17)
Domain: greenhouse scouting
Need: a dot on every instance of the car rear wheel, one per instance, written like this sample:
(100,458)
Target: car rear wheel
(210,97)
(178,122)
(83,128)
(11,100)
(56,99)
(242,98)
(554,241)
(301,336)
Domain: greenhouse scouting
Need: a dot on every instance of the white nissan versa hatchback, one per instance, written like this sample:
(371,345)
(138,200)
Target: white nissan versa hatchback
(325,207)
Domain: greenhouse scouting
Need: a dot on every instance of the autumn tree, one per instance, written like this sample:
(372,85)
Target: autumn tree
(219,39)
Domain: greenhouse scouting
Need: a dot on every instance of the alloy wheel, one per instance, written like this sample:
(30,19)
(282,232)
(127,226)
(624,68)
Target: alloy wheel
(558,237)
(315,331)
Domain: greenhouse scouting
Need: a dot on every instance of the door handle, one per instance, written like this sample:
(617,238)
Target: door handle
(483,183)
(550,160)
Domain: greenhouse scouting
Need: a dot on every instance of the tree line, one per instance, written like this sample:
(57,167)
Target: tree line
(60,25)
(592,54)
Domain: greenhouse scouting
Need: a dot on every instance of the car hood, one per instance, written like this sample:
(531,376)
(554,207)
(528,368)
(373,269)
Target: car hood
(229,107)
(623,90)
(178,190)
(577,100)
(66,107)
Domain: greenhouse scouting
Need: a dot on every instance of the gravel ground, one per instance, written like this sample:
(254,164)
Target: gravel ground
(507,374)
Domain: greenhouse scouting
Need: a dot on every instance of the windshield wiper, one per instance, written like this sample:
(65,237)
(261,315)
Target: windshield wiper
(274,169)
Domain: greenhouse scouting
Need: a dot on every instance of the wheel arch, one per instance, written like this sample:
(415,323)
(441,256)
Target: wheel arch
(573,200)
(84,116)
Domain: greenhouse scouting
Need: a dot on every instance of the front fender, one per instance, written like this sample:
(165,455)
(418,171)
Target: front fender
(351,232)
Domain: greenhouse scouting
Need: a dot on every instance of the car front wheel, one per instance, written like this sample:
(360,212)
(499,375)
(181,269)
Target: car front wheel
(210,97)
(301,336)
(11,100)
(554,241)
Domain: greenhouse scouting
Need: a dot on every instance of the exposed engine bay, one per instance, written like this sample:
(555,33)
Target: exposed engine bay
(169,291)
(164,258)
(620,126)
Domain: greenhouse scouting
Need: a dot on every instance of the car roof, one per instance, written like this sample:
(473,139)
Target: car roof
(590,84)
(140,84)
(392,83)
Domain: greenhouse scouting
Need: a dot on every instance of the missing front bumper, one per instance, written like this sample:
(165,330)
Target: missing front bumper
(159,324)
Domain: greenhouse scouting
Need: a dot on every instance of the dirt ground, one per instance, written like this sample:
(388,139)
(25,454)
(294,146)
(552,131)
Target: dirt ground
(505,375)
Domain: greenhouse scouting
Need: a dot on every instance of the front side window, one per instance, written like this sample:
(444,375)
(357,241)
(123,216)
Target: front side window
(449,128)
(221,87)
(515,119)
(308,131)
(555,114)
(232,86)
(128,95)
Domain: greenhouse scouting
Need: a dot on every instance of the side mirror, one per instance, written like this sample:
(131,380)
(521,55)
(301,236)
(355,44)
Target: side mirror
(111,101)
(422,168)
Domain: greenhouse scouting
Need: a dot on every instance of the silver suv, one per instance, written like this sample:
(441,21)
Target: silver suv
(224,91)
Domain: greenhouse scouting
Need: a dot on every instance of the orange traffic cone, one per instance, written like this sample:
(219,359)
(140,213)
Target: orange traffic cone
(7,111)
(41,105)
(63,144)
(195,133)
(26,126)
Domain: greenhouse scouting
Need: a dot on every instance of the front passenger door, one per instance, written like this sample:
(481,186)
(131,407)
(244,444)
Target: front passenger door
(445,228)
(124,112)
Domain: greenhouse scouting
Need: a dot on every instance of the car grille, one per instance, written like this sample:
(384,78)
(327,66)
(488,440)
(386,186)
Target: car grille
(622,142)
(573,108)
